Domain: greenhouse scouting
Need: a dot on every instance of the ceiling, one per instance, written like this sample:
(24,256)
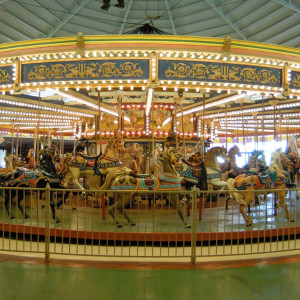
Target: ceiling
(267,21)
(272,21)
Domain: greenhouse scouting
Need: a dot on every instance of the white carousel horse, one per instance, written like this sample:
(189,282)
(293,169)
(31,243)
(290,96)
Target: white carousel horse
(166,182)
(9,165)
(131,158)
(273,178)
(107,164)
(214,173)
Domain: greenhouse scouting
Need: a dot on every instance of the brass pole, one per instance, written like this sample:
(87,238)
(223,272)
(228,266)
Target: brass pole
(202,125)
(182,128)
(12,136)
(274,103)
(17,141)
(37,133)
(175,123)
(262,120)
(226,126)
(99,124)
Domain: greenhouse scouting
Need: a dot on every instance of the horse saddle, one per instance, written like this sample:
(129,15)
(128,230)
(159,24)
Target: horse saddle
(28,173)
(149,182)
(263,178)
(197,171)
(90,163)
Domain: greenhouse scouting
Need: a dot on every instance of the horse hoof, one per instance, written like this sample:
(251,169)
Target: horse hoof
(57,221)
(119,225)
(27,217)
(188,226)
(132,224)
(249,224)
(292,220)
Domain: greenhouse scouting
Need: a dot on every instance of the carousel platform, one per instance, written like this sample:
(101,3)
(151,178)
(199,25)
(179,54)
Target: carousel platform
(156,224)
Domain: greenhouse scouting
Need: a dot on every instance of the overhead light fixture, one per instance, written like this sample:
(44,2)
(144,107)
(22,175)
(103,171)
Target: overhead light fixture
(77,99)
(212,104)
(149,101)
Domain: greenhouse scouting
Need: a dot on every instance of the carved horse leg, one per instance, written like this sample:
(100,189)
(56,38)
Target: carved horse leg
(174,200)
(122,200)
(247,197)
(281,196)
(247,219)
(20,196)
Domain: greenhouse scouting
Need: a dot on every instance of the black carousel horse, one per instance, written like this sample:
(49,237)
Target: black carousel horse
(38,177)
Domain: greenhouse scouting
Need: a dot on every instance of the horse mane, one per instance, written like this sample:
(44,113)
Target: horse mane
(108,146)
(233,149)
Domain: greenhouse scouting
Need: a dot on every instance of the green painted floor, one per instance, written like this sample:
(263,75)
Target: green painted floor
(42,282)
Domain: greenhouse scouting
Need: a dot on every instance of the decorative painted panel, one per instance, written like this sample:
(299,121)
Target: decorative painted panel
(6,75)
(295,80)
(86,70)
(219,72)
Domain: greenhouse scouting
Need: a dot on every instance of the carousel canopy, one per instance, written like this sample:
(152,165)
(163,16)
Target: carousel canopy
(226,65)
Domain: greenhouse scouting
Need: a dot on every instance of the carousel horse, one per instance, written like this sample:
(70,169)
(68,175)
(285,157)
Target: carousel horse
(273,178)
(256,162)
(9,165)
(166,182)
(214,173)
(287,165)
(30,159)
(33,178)
(293,156)
(131,158)
(230,162)
(230,168)
(106,164)
(193,173)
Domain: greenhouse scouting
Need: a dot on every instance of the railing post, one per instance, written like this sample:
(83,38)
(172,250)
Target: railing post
(47,224)
(194,224)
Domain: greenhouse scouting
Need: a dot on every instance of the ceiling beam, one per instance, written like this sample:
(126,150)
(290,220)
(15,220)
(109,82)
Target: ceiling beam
(18,19)
(68,17)
(128,9)
(288,5)
(12,29)
(274,29)
(170,17)
(227,19)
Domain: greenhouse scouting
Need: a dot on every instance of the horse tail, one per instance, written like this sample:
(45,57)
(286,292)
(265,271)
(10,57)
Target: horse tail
(237,196)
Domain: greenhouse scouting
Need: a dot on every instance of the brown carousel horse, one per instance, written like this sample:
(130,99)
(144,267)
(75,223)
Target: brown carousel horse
(230,162)
(273,178)
(230,168)
(30,158)
(168,181)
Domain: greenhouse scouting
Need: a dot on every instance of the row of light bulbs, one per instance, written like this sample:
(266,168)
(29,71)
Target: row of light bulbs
(132,53)
(20,113)
(42,107)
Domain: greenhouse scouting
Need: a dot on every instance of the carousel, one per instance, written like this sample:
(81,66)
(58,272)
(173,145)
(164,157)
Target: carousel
(149,139)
